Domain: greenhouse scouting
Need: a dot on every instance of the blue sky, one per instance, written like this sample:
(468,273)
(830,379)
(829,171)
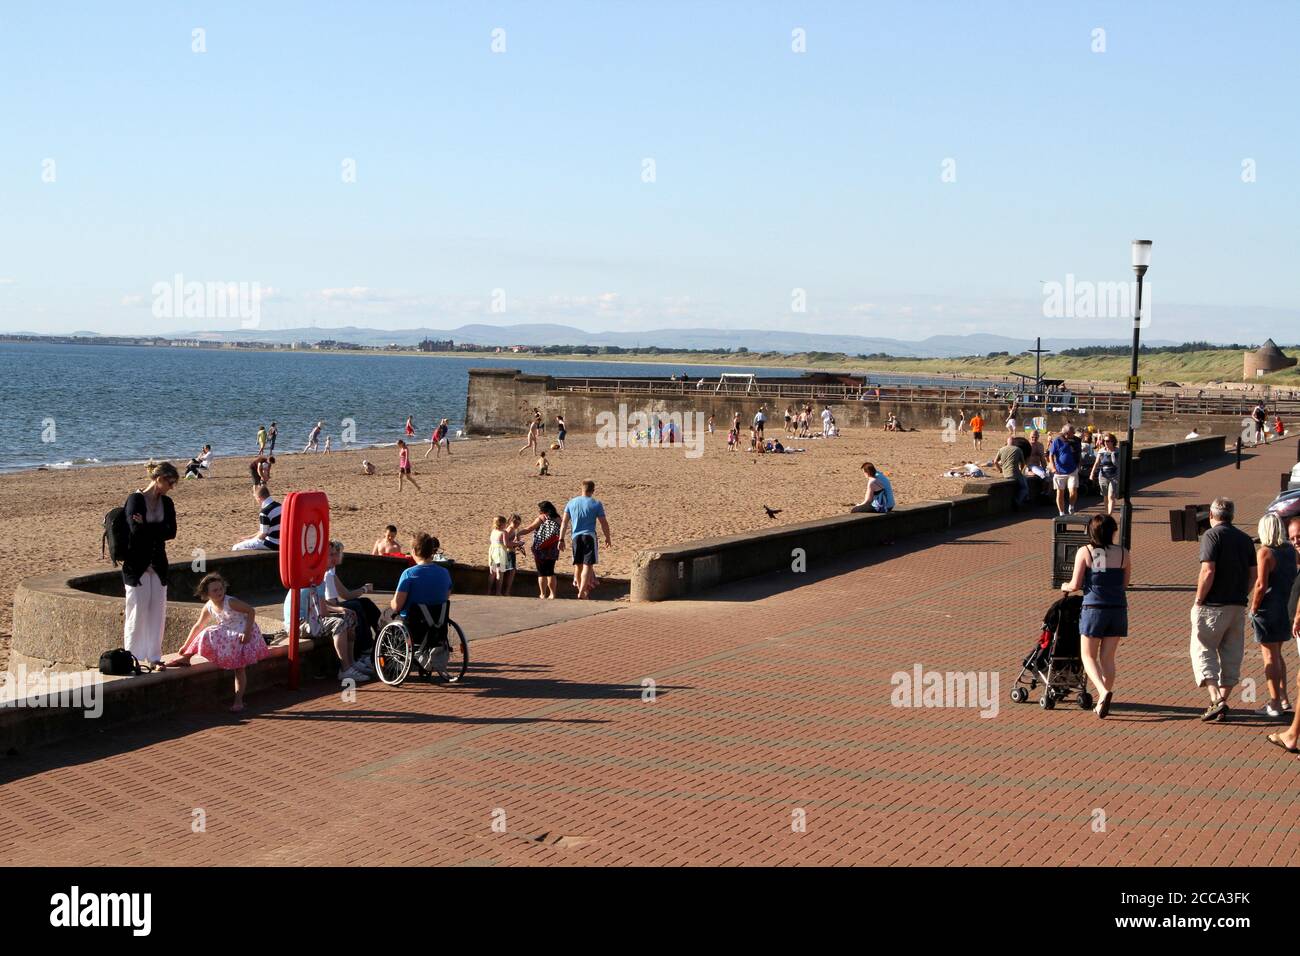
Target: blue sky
(522,171)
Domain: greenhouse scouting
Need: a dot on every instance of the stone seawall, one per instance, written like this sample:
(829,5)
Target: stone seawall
(500,401)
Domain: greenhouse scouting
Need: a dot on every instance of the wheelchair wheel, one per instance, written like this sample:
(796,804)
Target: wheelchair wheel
(450,663)
(393,653)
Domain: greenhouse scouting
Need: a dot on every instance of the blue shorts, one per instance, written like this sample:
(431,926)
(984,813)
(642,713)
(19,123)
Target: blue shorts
(1104,622)
(1270,629)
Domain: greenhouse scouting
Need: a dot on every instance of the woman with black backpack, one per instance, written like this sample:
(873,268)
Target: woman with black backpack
(151,523)
(545,529)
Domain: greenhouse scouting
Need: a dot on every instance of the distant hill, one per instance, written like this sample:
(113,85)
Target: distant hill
(755,340)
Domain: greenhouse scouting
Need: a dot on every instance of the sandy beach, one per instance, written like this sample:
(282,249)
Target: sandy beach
(653,496)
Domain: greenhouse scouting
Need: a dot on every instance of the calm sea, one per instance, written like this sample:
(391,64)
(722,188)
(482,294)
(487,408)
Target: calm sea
(70,405)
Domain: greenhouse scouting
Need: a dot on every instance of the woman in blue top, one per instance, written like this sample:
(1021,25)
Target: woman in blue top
(1101,571)
(1267,608)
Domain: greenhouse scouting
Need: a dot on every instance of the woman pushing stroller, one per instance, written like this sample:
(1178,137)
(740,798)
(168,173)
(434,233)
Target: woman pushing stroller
(1101,570)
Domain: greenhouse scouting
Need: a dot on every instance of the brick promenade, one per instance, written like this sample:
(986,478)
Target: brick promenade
(772,707)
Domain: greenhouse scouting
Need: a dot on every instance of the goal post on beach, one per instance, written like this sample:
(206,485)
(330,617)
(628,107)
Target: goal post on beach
(727,379)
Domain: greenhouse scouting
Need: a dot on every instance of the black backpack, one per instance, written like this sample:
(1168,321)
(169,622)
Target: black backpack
(118,662)
(117,533)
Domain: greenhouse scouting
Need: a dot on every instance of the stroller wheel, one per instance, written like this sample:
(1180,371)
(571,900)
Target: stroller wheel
(1019,695)
(1048,700)
(1085,700)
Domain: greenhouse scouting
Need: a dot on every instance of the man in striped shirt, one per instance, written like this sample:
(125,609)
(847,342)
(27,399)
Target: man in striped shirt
(268,520)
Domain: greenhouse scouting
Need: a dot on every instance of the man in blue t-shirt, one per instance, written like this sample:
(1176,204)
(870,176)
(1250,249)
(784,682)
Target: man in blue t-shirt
(581,515)
(1063,462)
(427,582)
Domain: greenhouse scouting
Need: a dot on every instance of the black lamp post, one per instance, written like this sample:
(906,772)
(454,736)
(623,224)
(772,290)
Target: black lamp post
(1141,260)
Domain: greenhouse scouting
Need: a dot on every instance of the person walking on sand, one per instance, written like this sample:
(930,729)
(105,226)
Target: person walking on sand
(532,438)
(977,431)
(404,465)
(1275,574)
(151,523)
(261,439)
(1219,612)
(313,440)
(438,439)
(270,438)
(327,444)
(226,634)
(961,421)
(561,429)
(1102,571)
(581,516)
(410,426)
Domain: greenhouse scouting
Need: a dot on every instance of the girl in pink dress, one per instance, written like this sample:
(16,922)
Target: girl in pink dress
(226,633)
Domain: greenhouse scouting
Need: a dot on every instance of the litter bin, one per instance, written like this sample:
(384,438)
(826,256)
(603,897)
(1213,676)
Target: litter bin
(1069,533)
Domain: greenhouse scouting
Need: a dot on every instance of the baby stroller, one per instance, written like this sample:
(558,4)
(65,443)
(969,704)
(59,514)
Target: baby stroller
(1054,661)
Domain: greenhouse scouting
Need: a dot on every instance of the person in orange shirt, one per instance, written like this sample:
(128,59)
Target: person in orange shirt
(977,431)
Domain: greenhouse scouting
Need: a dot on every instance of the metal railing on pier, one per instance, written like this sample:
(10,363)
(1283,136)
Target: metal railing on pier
(1176,402)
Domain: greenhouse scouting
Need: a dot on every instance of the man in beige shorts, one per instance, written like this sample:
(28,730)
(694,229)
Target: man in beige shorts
(1219,614)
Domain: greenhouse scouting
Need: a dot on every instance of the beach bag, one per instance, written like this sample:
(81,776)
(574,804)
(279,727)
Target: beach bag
(117,534)
(118,662)
(548,549)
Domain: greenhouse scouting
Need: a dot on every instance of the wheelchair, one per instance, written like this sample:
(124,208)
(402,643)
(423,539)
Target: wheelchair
(428,639)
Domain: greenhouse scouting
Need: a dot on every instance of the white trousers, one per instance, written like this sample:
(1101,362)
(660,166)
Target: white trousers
(146,618)
(251,544)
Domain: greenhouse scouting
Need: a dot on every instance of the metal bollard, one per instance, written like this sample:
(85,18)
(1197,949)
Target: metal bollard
(1238,452)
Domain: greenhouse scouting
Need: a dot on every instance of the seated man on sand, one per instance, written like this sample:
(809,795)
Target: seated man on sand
(199,463)
(388,543)
(268,524)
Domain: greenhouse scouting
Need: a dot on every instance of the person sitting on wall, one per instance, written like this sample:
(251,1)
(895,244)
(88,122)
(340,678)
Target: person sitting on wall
(879,498)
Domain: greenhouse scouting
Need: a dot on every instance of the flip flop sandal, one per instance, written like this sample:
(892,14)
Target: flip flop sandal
(1276,742)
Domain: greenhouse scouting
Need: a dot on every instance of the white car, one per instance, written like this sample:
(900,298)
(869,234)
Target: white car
(1294,484)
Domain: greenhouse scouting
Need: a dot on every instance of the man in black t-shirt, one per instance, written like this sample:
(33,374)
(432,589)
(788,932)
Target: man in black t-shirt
(1219,614)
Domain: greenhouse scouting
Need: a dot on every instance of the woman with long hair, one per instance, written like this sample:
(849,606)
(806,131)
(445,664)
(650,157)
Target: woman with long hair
(1101,570)
(151,523)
